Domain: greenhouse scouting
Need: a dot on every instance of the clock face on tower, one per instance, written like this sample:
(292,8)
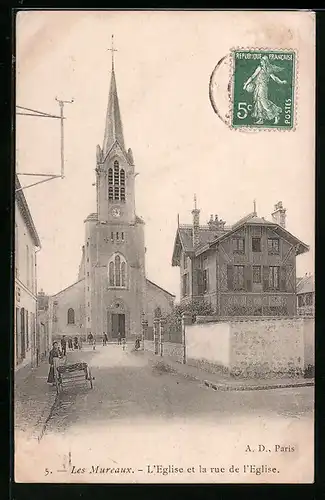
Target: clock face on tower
(116,212)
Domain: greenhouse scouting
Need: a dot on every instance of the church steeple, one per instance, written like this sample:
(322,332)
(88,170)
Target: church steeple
(113,125)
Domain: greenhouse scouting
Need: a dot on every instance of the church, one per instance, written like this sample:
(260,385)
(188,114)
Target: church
(112,293)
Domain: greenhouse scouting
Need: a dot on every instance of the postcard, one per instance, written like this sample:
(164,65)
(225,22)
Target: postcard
(164,247)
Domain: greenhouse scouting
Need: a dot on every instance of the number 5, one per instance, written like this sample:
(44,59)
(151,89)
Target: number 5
(242,111)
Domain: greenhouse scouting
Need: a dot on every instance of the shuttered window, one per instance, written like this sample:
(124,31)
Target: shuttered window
(239,280)
(238,245)
(257,277)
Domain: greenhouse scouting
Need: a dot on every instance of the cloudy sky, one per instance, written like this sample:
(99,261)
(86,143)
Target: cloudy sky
(163,66)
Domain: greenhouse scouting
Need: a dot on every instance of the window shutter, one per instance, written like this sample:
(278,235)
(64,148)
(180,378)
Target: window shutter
(248,278)
(230,277)
(283,279)
(266,273)
(199,281)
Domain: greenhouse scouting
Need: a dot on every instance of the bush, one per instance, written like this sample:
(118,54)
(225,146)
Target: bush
(173,324)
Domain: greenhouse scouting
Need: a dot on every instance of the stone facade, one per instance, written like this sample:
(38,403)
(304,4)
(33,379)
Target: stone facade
(112,294)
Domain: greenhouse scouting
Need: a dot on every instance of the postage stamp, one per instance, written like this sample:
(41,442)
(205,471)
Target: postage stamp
(263,89)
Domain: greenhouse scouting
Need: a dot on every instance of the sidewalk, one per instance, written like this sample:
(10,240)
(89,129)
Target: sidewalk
(34,399)
(223,383)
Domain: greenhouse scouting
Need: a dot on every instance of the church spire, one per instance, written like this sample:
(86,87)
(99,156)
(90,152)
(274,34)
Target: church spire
(113,125)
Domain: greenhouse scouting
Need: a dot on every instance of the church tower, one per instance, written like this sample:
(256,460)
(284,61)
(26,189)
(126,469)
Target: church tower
(114,247)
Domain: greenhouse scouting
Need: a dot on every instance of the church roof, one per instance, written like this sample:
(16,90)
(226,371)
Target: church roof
(113,124)
(160,288)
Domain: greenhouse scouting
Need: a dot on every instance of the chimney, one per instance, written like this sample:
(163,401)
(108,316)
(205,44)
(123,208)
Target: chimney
(196,224)
(279,214)
(216,224)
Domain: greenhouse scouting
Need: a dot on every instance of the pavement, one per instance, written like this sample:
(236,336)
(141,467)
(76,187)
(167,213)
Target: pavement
(224,383)
(34,400)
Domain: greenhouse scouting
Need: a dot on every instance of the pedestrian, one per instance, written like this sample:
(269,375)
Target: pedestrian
(90,338)
(64,346)
(94,343)
(119,337)
(105,338)
(137,344)
(70,345)
(75,343)
(123,343)
(54,353)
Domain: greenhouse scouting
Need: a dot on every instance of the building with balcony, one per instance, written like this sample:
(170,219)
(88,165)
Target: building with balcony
(247,269)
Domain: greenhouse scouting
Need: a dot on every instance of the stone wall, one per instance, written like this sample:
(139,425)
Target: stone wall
(267,348)
(251,348)
(309,345)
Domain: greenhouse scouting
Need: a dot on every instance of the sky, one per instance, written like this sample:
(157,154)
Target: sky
(163,65)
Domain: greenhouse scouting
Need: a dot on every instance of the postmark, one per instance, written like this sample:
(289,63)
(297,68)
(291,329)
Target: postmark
(263,89)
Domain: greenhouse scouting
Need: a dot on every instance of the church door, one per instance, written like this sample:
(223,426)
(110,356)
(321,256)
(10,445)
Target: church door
(118,325)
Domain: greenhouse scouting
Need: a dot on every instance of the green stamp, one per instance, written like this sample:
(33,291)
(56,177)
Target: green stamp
(263,89)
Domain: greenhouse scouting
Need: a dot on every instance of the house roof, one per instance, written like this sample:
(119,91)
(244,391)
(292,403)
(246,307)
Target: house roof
(184,239)
(260,221)
(160,288)
(209,237)
(306,284)
(25,212)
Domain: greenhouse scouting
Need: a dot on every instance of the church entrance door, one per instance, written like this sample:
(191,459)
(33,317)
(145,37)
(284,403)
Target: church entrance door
(118,325)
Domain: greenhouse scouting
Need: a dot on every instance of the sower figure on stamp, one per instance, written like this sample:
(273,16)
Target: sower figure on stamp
(263,108)
(54,353)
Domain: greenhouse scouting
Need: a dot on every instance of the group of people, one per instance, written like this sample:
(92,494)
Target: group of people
(74,343)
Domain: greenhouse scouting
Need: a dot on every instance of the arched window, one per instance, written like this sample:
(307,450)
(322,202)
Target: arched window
(70,316)
(116,173)
(116,183)
(111,274)
(123,266)
(117,271)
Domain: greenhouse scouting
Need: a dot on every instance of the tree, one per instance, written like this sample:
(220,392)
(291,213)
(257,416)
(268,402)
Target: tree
(196,307)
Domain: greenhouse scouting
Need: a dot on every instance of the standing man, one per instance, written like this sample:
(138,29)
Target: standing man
(64,346)
(119,338)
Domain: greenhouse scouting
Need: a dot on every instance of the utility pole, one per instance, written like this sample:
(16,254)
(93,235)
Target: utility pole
(41,114)
(61,104)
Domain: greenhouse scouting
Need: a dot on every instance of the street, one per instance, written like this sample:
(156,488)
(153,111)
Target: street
(142,424)
(126,386)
